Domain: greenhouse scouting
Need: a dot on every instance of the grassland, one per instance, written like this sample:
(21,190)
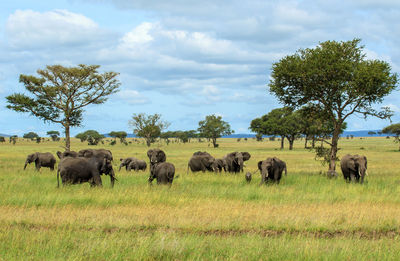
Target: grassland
(203,215)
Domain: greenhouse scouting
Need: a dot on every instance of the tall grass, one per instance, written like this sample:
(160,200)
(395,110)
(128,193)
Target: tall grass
(203,215)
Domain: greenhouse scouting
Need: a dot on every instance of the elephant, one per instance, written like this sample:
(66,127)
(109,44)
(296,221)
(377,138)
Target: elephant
(219,165)
(72,154)
(125,162)
(99,155)
(271,170)
(81,169)
(201,161)
(137,165)
(354,167)
(88,153)
(45,159)
(159,169)
(248,177)
(234,161)
(163,172)
(156,156)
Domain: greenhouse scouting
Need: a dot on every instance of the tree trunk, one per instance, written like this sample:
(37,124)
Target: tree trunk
(214,141)
(334,149)
(313,142)
(67,138)
(291,141)
(305,143)
(282,142)
(148,142)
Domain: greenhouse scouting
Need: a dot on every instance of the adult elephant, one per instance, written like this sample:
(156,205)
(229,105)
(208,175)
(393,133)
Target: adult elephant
(234,161)
(99,155)
(271,170)
(45,159)
(201,161)
(354,167)
(80,169)
(160,170)
(72,154)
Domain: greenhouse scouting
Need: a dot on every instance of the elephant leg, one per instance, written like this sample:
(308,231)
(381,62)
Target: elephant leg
(352,177)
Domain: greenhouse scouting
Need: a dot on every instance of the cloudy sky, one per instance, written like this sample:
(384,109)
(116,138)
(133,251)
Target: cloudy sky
(184,59)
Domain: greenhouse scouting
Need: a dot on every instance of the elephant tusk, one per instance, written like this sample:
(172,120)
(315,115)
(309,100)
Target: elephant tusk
(366,173)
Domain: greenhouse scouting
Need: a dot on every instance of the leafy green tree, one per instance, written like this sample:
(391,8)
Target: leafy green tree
(60,94)
(2,139)
(371,133)
(121,135)
(30,135)
(54,135)
(91,136)
(282,121)
(395,130)
(337,77)
(148,127)
(214,127)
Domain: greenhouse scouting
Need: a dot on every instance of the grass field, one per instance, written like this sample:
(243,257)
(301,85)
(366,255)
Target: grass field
(203,215)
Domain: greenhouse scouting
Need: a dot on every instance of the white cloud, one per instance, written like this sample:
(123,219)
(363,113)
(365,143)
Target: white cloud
(30,29)
(132,97)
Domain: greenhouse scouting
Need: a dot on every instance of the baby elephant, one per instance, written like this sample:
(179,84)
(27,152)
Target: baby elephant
(271,170)
(41,160)
(248,177)
(137,165)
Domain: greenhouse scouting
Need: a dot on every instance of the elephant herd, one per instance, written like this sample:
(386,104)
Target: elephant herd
(89,164)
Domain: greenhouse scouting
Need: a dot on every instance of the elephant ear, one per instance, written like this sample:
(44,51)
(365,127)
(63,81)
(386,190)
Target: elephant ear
(121,159)
(149,152)
(35,156)
(161,157)
(59,154)
(246,155)
(259,164)
(351,163)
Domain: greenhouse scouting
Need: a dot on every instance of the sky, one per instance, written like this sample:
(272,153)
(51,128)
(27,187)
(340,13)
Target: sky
(183,59)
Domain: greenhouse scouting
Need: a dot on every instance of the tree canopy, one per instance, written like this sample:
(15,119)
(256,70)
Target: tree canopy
(214,127)
(395,130)
(337,77)
(60,94)
(121,135)
(91,136)
(148,127)
(54,135)
(30,135)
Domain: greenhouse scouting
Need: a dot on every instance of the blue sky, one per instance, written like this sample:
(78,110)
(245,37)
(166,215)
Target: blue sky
(183,59)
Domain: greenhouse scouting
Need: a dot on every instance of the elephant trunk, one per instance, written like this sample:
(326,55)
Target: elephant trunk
(112,178)
(26,163)
(120,166)
(241,166)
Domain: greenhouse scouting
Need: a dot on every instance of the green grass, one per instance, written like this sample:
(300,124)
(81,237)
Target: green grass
(203,215)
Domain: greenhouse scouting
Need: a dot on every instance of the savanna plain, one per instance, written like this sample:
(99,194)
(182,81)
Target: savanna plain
(203,216)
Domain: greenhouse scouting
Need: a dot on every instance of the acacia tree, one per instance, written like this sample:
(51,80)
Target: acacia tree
(60,93)
(337,77)
(148,127)
(121,135)
(393,129)
(214,127)
(54,135)
(30,135)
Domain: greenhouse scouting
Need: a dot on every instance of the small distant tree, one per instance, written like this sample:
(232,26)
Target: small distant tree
(371,133)
(393,129)
(282,121)
(214,127)
(30,135)
(121,135)
(61,93)
(54,135)
(91,136)
(148,127)
(13,139)
(38,139)
(2,139)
